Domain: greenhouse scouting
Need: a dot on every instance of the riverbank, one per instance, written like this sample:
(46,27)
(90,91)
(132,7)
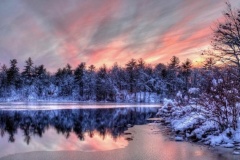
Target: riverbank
(121,97)
(189,123)
(145,142)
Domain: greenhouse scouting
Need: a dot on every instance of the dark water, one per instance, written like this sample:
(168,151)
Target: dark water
(68,129)
(94,133)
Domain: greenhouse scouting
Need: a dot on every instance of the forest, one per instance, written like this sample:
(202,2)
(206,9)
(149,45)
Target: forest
(116,84)
(88,83)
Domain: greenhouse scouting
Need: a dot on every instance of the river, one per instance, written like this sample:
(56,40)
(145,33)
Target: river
(99,131)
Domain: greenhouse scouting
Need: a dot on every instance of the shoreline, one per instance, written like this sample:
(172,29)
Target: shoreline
(187,125)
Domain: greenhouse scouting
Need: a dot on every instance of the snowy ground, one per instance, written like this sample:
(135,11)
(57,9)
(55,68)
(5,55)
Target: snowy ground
(121,97)
(189,124)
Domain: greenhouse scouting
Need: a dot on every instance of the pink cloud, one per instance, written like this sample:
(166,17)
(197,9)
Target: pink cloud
(56,33)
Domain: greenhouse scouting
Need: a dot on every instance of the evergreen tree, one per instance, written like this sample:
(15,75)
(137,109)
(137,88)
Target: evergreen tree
(3,81)
(79,76)
(174,82)
(28,72)
(174,63)
(13,77)
(90,82)
(160,75)
(27,77)
(186,72)
(132,74)
(42,81)
(64,81)
(104,86)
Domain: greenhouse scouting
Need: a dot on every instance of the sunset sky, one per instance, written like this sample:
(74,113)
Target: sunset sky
(57,32)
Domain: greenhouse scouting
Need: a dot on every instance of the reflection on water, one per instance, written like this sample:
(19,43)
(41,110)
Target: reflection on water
(76,129)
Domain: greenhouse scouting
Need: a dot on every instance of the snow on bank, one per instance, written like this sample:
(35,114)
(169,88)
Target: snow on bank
(191,123)
(121,97)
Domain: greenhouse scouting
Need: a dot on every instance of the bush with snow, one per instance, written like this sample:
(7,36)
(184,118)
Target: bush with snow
(192,122)
(193,90)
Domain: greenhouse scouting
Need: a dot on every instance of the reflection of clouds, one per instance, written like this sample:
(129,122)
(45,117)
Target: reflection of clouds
(51,141)
(56,32)
(55,142)
(67,129)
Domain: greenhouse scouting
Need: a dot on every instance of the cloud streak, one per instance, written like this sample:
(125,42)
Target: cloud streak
(57,32)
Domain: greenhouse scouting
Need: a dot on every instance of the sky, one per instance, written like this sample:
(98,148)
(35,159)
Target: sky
(57,32)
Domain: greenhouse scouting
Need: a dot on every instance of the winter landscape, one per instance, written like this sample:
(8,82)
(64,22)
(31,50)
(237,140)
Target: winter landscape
(139,80)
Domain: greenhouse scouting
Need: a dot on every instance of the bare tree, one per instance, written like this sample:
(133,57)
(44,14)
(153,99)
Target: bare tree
(220,100)
(226,38)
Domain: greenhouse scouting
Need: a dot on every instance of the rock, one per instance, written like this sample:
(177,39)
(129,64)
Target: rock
(237,144)
(178,138)
(206,143)
(238,148)
(193,138)
(236,152)
(228,145)
(129,125)
(129,138)
(127,133)
(162,120)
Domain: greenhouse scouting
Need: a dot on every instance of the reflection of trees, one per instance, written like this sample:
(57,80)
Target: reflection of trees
(103,121)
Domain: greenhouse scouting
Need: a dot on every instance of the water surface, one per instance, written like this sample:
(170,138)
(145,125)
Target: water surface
(33,132)
(68,129)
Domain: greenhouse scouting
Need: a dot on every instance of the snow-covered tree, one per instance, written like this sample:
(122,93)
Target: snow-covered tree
(3,81)
(80,78)
(90,83)
(64,81)
(131,67)
(220,99)
(186,73)
(41,81)
(104,86)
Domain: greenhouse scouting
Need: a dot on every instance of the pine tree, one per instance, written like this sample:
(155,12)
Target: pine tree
(42,81)
(186,72)
(132,74)
(28,73)
(90,82)
(79,75)
(104,86)
(3,81)
(13,77)
(173,81)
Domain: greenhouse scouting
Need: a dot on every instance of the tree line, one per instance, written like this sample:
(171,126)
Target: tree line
(103,84)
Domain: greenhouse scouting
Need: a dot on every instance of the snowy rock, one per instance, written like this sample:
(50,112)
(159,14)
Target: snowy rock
(129,125)
(228,145)
(214,82)
(193,90)
(238,148)
(206,143)
(237,136)
(178,138)
(236,152)
(179,94)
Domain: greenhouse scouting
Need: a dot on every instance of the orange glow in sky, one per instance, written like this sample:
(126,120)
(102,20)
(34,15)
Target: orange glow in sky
(98,32)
